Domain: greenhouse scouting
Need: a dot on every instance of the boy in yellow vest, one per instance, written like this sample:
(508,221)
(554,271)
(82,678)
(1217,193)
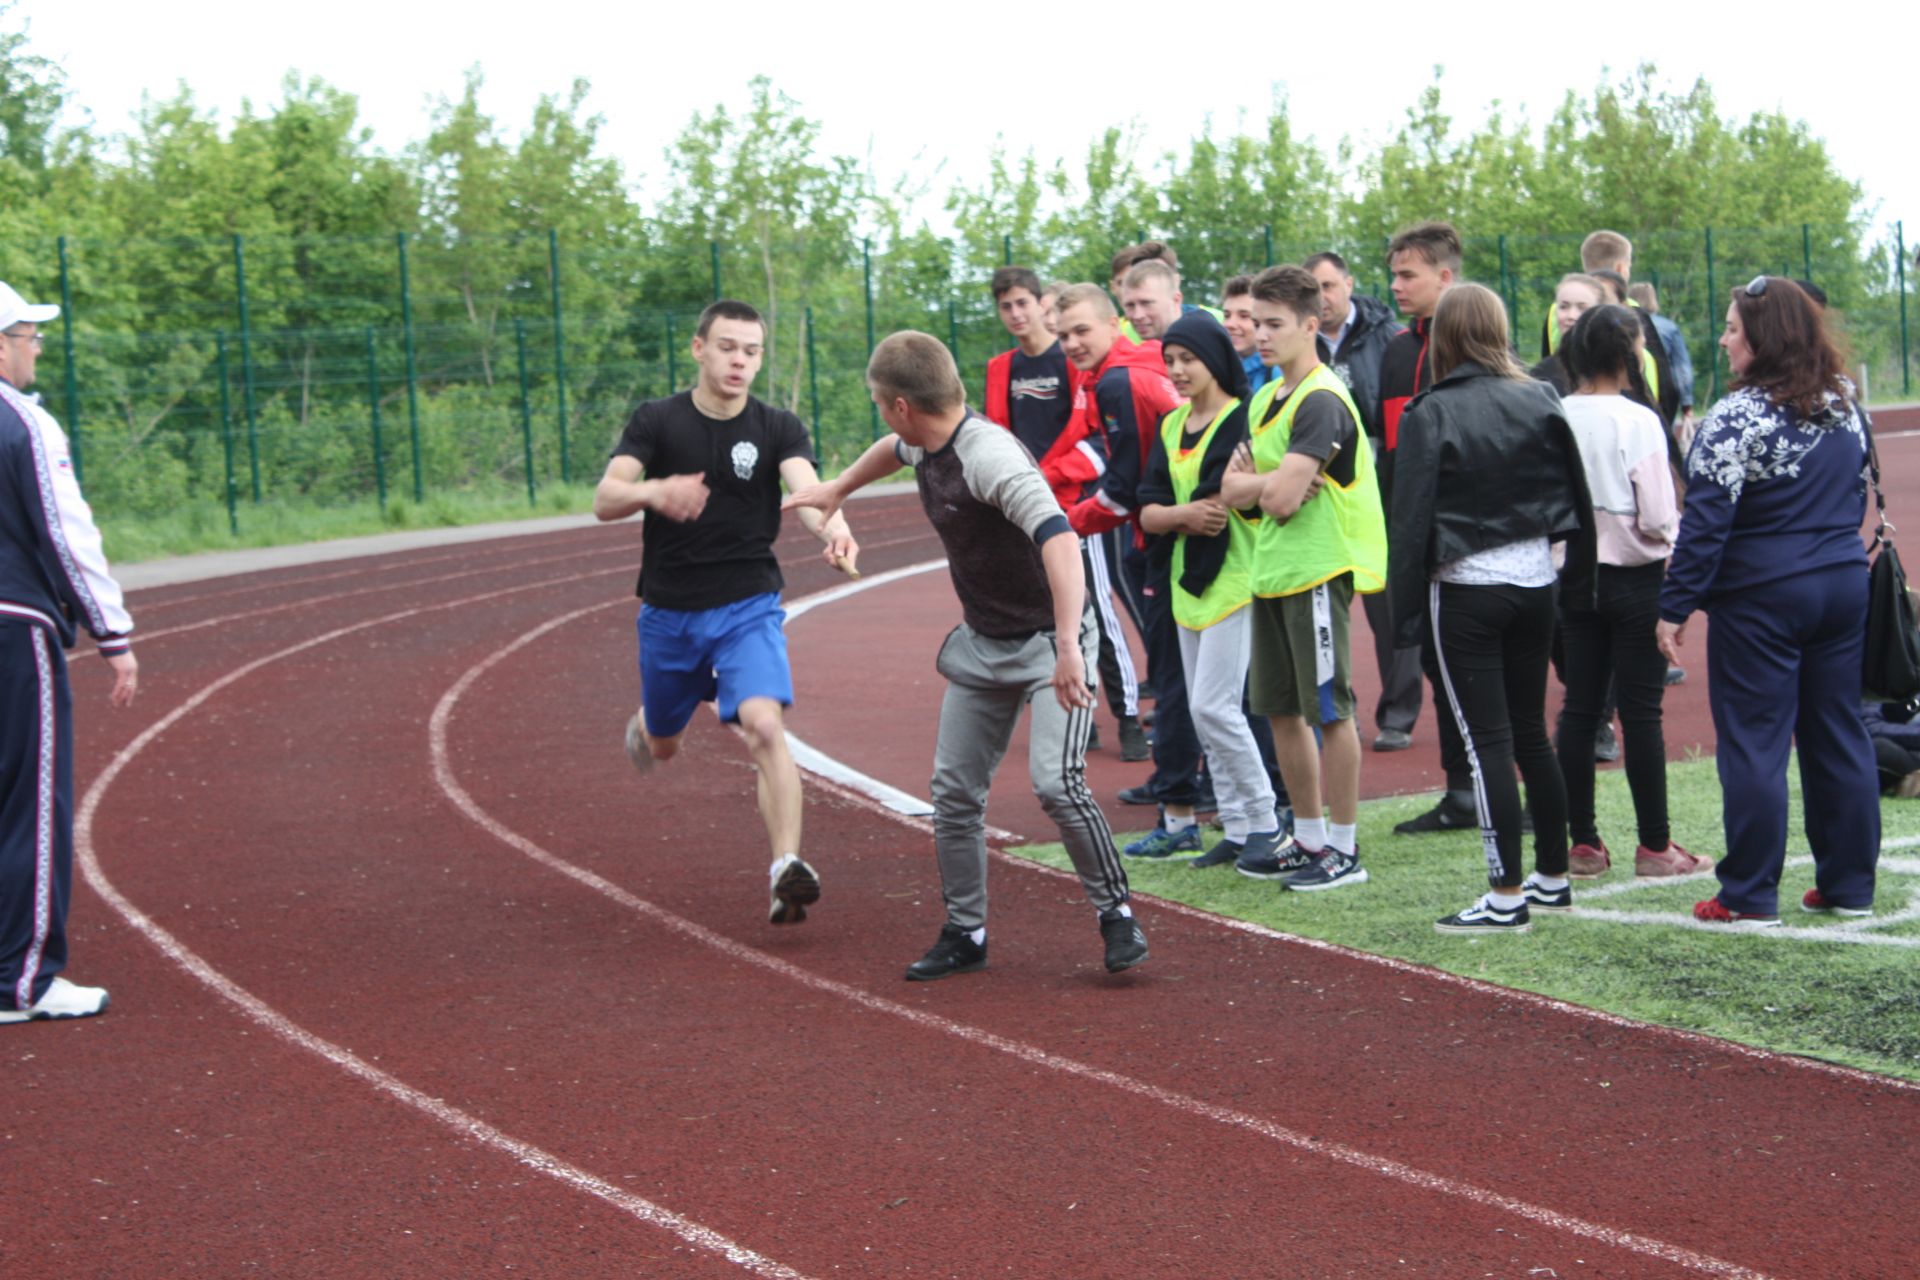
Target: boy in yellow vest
(1308,473)
(1210,549)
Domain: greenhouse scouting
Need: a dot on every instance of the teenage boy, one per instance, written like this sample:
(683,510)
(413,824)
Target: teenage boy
(1236,313)
(1030,392)
(706,466)
(1026,639)
(1122,399)
(1209,553)
(1312,551)
(1357,329)
(1424,261)
(1609,251)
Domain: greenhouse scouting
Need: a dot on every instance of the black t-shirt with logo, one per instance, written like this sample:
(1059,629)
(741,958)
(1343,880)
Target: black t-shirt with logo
(1039,398)
(727,553)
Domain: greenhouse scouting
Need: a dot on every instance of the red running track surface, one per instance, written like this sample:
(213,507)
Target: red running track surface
(388,1040)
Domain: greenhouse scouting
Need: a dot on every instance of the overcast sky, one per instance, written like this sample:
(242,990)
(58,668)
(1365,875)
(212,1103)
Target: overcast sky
(935,85)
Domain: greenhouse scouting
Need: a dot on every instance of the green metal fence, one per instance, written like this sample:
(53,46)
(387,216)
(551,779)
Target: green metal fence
(307,370)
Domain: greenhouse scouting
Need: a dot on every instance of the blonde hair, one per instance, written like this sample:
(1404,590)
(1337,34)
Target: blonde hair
(1150,269)
(1470,327)
(1603,249)
(1599,287)
(1086,295)
(917,368)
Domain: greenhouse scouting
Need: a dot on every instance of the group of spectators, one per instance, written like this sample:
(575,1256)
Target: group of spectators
(1237,473)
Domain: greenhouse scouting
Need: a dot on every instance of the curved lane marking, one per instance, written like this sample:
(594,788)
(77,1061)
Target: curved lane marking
(1341,1153)
(265,1015)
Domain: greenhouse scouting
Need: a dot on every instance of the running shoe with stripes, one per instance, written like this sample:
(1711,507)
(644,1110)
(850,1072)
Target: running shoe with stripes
(62,999)
(1541,898)
(1329,871)
(795,888)
(1485,917)
(1271,855)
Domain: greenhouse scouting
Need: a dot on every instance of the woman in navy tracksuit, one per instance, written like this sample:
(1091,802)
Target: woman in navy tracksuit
(1770,547)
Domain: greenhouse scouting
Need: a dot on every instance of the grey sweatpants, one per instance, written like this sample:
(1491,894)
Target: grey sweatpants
(988,682)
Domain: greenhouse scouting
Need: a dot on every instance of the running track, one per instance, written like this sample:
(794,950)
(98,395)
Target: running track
(413,978)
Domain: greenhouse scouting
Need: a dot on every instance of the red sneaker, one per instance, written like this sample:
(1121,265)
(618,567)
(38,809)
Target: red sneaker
(1816,902)
(1713,911)
(1670,861)
(1588,861)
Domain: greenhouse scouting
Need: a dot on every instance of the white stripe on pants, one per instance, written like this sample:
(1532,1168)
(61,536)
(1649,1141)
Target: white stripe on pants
(1100,591)
(1215,662)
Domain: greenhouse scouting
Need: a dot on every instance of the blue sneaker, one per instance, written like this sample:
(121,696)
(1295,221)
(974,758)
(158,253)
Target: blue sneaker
(1162,843)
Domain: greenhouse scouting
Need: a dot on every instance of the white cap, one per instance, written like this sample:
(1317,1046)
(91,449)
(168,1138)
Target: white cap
(15,309)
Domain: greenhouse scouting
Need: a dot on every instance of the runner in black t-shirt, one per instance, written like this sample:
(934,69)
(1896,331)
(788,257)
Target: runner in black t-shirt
(714,458)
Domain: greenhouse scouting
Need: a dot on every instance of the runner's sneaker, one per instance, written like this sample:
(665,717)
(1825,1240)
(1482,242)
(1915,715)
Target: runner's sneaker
(1134,746)
(1817,902)
(1444,816)
(955,952)
(1223,852)
(63,999)
(1162,843)
(1589,861)
(1270,856)
(1126,945)
(1333,869)
(1713,911)
(795,888)
(1670,861)
(637,753)
(1484,917)
(1541,898)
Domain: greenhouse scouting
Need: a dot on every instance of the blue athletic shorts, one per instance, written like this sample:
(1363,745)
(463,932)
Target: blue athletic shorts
(732,653)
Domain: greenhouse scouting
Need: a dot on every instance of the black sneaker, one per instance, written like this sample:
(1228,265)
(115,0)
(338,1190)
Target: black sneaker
(1445,816)
(1484,917)
(795,888)
(1220,855)
(1126,945)
(1142,794)
(1540,898)
(1333,869)
(1134,746)
(955,952)
(1271,856)
(1606,744)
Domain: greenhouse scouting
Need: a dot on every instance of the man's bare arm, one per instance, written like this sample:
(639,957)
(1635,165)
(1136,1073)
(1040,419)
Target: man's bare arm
(622,492)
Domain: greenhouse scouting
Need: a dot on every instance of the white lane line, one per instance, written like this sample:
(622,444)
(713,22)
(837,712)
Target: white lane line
(265,1015)
(865,794)
(1386,1167)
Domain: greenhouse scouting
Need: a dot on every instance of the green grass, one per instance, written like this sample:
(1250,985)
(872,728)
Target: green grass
(202,526)
(1852,1003)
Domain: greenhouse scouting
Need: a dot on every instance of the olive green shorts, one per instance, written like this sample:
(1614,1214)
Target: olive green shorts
(1301,663)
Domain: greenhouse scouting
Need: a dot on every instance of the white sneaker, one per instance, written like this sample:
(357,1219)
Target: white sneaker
(63,1000)
(637,753)
(795,888)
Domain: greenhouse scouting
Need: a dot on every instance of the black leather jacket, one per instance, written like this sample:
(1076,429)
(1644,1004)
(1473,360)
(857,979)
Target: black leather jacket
(1483,461)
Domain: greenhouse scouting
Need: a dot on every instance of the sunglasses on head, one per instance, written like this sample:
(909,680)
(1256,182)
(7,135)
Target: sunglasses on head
(1757,287)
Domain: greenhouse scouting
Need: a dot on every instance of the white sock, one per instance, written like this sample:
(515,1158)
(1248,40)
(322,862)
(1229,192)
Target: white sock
(1547,882)
(1506,899)
(979,936)
(1341,836)
(1310,833)
(779,865)
(1177,824)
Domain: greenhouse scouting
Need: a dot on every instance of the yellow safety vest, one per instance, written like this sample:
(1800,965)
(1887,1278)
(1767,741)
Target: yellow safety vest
(1342,530)
(1232,588)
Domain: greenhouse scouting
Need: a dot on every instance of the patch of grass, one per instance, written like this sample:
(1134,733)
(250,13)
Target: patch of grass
(1844,1002)
(202,526)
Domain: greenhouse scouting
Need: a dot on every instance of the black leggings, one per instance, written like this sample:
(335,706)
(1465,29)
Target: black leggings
(1615,645)
(1491,645)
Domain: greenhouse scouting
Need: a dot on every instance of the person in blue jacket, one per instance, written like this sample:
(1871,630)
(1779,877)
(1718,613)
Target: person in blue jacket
(1770,548)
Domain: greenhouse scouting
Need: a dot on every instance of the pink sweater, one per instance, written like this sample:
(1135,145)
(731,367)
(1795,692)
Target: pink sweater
(1636,512)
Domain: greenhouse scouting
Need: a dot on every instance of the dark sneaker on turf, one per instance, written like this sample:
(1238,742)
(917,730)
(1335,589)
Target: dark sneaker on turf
(1589,861)
(62,1000)
(955,952)
(1142,794)
(1331,870)
(795,888)
(1817,902)
(1222,853)
(1606,744)
(1134,746)
(1445,816)
(1392,740)
(1541,898)
(1126,945)
(1162,843)
(1269,856)
(1484,917)
(637,753)
(1714,911)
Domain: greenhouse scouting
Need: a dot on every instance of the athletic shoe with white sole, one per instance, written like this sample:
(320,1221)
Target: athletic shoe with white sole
(1484,917)
(62,1000)
(637,754)
(1162,843)
(1589,861)
(1670,861)
(1126,945)
(1819,904)
(954,952)
(1714,911)
(1541,898)
(1268,855)
(1332,870)
(795,888)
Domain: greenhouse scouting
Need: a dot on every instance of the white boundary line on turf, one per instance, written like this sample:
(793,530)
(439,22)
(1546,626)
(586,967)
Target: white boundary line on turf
(264,1015)
(1394,1170)
(861,794)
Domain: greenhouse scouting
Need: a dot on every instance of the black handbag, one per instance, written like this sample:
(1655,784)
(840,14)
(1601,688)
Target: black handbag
(1890,669)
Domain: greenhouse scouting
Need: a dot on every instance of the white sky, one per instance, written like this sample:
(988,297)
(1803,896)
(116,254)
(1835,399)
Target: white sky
(917,86)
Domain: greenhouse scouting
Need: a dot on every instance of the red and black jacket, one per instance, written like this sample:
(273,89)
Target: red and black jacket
(1406,369)
(1072,460)
(1121,403)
